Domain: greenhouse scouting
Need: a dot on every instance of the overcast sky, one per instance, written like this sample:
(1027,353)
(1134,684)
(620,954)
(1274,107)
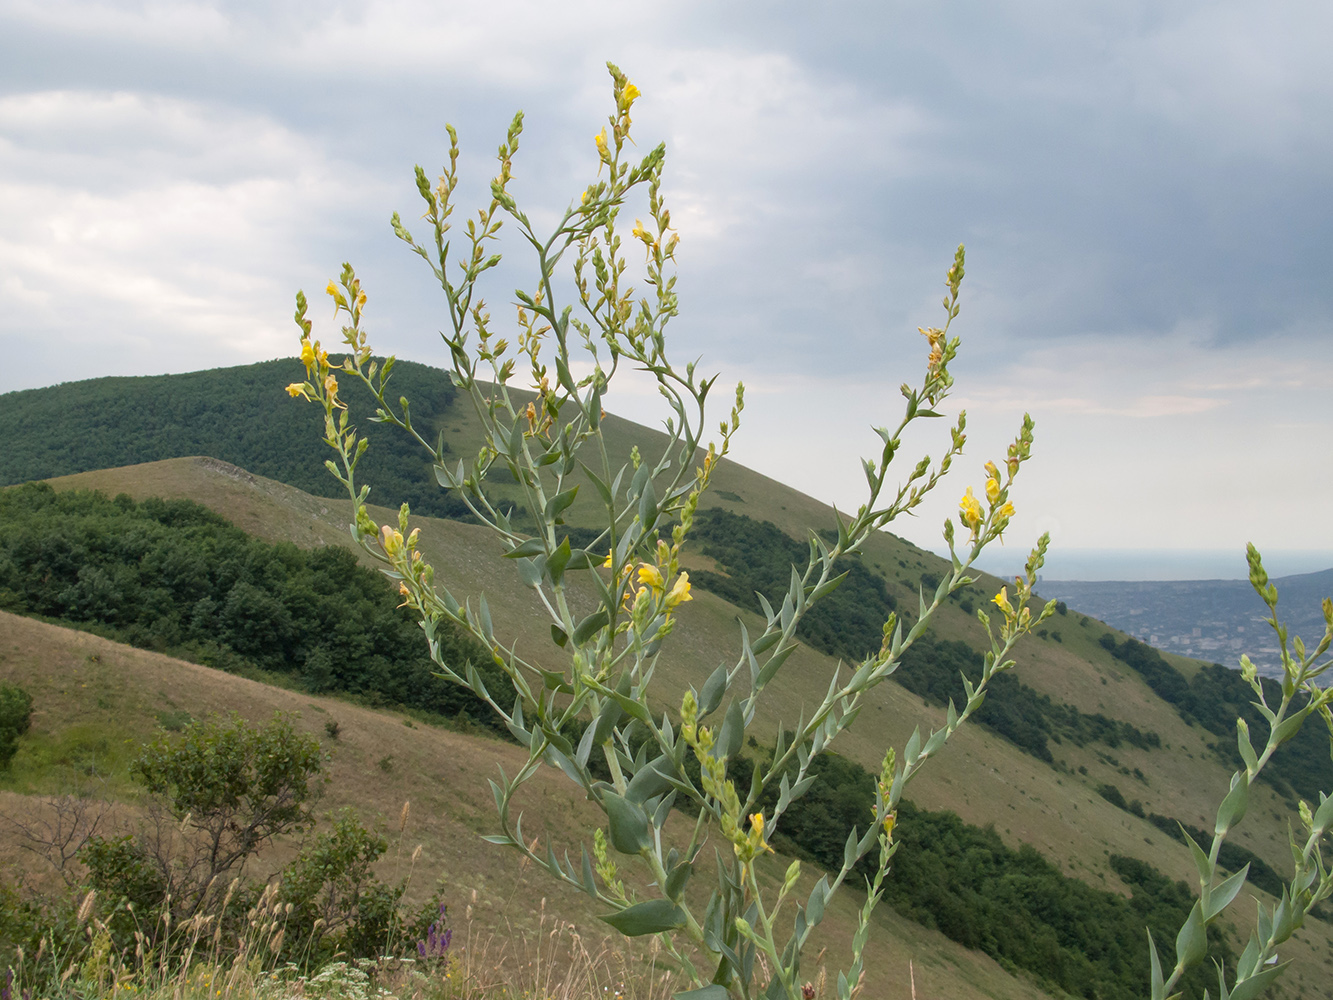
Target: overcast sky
(1143,189)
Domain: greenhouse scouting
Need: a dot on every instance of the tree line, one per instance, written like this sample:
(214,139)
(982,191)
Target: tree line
(175,577)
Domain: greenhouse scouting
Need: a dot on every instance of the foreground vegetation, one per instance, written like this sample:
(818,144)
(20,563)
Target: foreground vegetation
(600,698)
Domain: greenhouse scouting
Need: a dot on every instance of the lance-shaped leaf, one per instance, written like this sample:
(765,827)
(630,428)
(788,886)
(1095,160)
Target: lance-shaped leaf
(650,917)
(652,779)
(1323,816)
(675,883)
(628,822)
(710,992)
(1192,941)
(1224,892)
(530,547)
(714,688)
(1254,987)
(733,731)
(555,563)
(1246,748)
(559,503)
(1232,809)
(1157,984)
(589,627)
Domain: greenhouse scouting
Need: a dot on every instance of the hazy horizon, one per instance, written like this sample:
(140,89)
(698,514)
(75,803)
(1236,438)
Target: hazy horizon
(1135,565)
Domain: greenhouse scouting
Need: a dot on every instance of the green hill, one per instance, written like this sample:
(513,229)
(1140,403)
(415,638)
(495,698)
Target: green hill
(1052,803)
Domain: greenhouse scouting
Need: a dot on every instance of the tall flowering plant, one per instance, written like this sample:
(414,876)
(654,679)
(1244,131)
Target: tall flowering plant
(587,705)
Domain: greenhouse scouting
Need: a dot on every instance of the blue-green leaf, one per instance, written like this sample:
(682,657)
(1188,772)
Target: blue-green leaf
(629,824)
(1192,941)
(710,992)
(651,917)
(559,503)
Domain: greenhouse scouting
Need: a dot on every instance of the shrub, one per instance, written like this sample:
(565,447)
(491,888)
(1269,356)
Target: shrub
(15,718)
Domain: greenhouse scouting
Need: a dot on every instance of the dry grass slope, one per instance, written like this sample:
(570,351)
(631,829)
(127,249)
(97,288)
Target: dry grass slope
(981,777)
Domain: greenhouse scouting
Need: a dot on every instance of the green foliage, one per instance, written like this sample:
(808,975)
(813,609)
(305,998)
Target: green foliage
(544,439)
(1215,697)
(15,718)
(757,557)
(338,905)
(175,577)
(121,870)
(239,415)
(226,789)
(1012,904)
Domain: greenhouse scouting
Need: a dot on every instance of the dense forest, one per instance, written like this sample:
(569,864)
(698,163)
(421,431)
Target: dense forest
(1214,697)
(757,557)
(239,415)
(175,577)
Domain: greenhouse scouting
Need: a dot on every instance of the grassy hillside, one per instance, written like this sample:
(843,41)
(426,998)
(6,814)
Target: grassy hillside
(984,778)
(1054,805)
(97,697)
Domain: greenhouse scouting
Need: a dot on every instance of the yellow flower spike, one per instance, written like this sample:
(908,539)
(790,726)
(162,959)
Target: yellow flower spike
(680,591)
(969,509)
(652,576)
(391,540)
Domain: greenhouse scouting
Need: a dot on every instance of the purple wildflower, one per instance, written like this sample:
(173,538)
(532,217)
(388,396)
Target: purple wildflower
(436,943)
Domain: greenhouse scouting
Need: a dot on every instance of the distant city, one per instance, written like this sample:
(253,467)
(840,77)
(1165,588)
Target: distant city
(1211,620)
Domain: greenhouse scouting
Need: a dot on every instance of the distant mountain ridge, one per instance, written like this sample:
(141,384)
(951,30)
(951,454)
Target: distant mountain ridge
(1204,619)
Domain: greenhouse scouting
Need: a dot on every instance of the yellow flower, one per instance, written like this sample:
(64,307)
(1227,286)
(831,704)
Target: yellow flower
(992,490)
(296,389)
(969,509)
(1001,601)
(331,385)
(652,576)
(602,151)
(680,591)
(1005,512)
(307,352)
(606,563)
(992,471)
(639,233)
(629,95)
(750,846)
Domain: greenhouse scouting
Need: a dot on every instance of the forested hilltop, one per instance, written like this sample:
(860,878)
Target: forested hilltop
(240,415)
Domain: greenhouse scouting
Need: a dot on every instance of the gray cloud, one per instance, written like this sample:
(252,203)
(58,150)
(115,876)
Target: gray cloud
(1142,188)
